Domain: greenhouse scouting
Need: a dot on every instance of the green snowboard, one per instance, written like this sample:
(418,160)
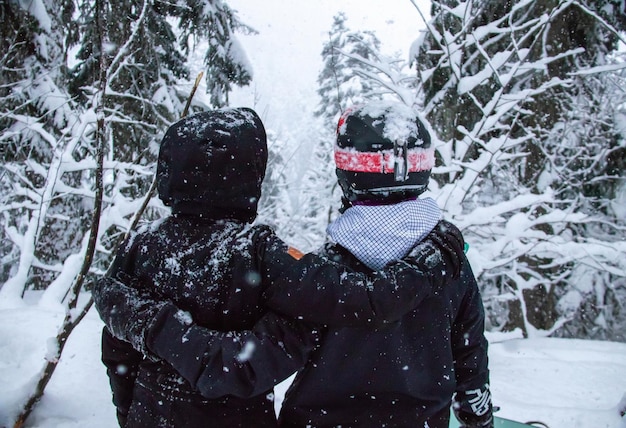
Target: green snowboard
(498,423)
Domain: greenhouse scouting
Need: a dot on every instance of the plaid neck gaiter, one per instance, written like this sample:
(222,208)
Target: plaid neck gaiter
(379,234)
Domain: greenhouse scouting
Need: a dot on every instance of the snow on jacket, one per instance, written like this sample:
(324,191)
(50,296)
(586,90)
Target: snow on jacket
(177,283)
(213,273)
(402,374)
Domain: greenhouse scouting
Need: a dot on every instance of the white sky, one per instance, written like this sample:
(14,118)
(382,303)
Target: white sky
(293,33)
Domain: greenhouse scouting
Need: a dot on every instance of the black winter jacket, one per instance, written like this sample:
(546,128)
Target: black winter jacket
(214,273)
(400,375)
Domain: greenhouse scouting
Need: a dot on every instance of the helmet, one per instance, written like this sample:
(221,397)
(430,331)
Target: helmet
(383,153)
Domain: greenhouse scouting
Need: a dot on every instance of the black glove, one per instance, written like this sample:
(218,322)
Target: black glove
(470,420)
(473,408)
(448,238)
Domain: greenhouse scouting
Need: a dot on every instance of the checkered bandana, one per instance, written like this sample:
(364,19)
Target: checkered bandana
(379,234)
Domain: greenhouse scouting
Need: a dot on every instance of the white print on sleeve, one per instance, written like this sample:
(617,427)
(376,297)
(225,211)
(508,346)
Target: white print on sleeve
(479,400)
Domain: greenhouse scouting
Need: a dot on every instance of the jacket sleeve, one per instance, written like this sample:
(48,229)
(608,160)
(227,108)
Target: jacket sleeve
(472,401)
(119,356)
(242,364)
(320,290)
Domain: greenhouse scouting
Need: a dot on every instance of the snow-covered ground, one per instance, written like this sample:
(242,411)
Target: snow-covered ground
(563,383)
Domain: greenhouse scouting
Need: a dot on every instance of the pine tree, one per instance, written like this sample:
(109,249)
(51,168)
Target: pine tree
(225,59)
(144,67)
(340,84)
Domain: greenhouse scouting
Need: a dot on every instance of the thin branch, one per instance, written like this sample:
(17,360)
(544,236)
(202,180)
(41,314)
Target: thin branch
(151,190)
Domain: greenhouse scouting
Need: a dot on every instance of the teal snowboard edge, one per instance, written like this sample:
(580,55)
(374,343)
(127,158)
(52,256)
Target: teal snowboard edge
(497,423)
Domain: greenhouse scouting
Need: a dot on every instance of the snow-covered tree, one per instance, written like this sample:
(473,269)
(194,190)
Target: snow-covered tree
(585,164)
(61,74)
(86,90)
(36,114)
(339,85)
(274,207)
(298,186)
(503,85)
(143,67)
(225,59)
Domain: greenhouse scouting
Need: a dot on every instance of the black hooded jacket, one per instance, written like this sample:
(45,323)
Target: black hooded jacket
(178,282)
(205,258)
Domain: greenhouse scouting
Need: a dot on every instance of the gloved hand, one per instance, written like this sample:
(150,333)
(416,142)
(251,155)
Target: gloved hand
(473,408)
(448,238)
(127,308)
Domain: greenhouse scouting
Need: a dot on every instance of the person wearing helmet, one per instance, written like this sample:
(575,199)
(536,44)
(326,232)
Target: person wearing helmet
(407,373)
(178,284)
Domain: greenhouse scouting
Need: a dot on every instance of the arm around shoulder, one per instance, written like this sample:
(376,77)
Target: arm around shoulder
(317,289)
(216,363)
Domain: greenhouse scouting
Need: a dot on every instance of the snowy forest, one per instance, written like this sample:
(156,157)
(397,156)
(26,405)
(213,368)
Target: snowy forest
(525,100)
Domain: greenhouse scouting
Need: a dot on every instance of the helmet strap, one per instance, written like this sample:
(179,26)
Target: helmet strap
(401,161)
(345,204)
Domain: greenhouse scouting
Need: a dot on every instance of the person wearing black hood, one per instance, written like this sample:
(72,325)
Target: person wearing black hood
(193,336)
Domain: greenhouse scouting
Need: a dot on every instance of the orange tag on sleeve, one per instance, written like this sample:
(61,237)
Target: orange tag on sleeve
(295,253)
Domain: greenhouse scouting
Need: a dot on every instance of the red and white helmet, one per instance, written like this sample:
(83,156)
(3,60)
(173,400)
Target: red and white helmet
(383,153)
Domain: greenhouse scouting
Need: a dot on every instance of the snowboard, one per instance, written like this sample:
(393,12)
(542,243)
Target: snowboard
(497,423)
